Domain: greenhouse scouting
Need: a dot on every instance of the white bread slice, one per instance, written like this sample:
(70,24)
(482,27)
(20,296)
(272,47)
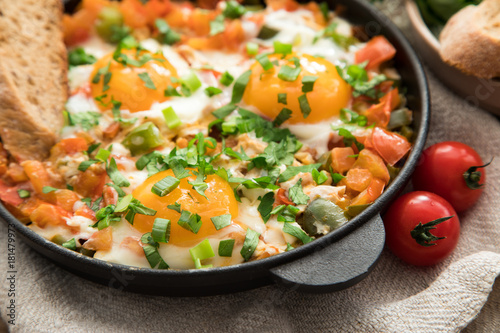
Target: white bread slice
(470,40)
(33,76)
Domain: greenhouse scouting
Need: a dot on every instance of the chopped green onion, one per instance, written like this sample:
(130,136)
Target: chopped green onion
(399,118)
(289,247)
(71,244)
(282,98)
(267,32)
(191,222)
(305,108)
(229,127)
(201,252)
(226,78)
(124,203)
(323,7)
(233,10)
(283,116)
(297,233)
(217,25)
(224,111)
(86,164)
(151,251)
(165,186)
(176,206)
(221,221)
(109,19)
(240,86)
(161,230)
(23,194)
(212,91)
(147,80)
(264,61)
(115,175)
(143,138)
(308,83)
(190,81)
(102,155)
(154,258)
(252,48)
(250,244)
(171,91)
(48,189)
(282,48)
(288,73)
(226,248)
(171,118)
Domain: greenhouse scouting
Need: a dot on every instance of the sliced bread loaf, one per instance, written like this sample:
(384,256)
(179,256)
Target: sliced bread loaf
(470,40)
(33,76)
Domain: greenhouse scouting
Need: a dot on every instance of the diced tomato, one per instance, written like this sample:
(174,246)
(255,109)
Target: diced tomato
(199,21)
(100,240)
(110,196)
(380,113)
(69,146)
(372,192)
(389,145)
(84,89)
(391,99)
(38,176)
(368,159)
(376,51)
(138,15)
(66,199)
(16,173)
(358,179)
(3,160)
(111,131)
(47,214)
(179,16)
(342,159)
(282,199)
(133,244)
(90,183)
(288,5)
(9,194)
(85,211)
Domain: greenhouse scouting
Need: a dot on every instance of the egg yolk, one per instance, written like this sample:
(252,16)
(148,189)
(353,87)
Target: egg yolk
(125,84)
(220,201)
(330,92)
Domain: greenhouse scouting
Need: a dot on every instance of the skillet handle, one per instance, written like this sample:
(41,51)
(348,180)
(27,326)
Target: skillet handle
(337,266)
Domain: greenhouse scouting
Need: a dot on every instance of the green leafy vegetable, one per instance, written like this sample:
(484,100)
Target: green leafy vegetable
(250,244)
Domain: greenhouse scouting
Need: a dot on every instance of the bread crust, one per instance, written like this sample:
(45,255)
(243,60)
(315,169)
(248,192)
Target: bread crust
(468,44)
(33,76)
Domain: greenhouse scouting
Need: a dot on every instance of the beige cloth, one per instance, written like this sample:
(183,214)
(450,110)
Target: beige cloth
(395,297)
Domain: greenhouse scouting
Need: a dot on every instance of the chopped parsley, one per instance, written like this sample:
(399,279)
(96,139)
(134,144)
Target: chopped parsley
(297,195)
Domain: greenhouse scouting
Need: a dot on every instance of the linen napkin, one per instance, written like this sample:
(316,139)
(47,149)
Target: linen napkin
(395,297)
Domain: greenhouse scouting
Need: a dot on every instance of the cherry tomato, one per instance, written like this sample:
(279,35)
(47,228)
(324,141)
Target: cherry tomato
(405,215)
(441,170)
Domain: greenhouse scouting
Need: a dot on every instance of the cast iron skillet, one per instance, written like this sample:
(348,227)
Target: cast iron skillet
(333,262)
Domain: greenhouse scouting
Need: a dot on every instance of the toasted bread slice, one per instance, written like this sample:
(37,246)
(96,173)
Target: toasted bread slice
(33,76)
(470,40)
